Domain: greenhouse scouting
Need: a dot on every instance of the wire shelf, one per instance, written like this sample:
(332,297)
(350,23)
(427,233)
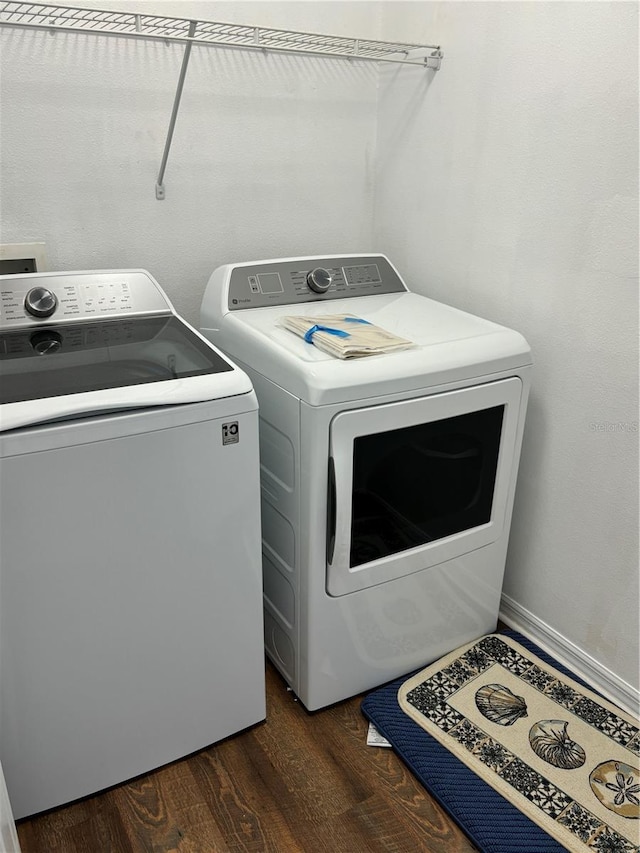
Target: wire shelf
(46,16)
(103,22)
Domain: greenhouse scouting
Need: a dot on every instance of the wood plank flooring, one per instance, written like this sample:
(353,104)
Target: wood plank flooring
(298,782)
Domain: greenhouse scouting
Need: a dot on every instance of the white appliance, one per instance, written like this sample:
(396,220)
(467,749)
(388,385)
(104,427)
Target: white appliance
(387,481)
(8,832)
(130,577)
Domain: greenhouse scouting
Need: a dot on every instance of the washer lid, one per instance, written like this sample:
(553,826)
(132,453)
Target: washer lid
(71,370)
(451,346)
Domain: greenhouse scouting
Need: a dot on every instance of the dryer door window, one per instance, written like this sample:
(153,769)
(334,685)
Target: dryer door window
(416,483)
(421,483)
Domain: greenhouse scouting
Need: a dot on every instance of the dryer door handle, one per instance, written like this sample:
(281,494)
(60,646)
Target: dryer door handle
(331,511)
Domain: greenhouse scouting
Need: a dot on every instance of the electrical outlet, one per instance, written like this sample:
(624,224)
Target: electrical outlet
(16,258)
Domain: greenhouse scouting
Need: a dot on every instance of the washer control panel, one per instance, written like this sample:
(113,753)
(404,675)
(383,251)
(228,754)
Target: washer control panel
(291,282)
(30,300)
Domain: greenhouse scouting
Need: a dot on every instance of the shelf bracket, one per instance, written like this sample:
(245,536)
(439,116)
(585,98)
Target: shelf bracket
(160,194)
(434,60)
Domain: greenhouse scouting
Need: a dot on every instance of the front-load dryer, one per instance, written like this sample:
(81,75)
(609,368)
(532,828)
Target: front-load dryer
(387,481)
(130,576)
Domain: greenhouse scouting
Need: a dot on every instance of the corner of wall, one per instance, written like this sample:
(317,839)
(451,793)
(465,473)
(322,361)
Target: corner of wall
(573,657)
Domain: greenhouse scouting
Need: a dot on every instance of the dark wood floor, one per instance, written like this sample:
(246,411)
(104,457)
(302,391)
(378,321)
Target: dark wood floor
(298,782)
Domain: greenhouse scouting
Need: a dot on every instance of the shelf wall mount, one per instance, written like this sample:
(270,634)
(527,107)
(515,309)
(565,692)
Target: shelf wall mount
(51,17)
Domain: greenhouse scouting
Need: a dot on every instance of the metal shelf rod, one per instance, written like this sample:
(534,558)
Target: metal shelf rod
(174,113)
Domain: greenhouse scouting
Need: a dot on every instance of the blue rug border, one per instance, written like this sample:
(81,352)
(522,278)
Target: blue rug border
(490,821)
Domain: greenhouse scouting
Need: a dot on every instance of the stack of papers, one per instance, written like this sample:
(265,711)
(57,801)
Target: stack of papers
(345,336)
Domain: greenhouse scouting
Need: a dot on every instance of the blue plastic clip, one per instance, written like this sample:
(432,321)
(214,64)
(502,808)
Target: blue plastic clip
(337,332)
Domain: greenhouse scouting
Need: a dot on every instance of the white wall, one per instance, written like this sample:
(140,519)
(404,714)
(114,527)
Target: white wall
(507,185)
(272,155)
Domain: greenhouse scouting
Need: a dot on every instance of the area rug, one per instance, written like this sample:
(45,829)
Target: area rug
(523,755)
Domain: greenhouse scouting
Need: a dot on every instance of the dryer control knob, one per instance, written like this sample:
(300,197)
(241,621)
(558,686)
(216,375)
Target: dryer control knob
(319,280)
(40,302)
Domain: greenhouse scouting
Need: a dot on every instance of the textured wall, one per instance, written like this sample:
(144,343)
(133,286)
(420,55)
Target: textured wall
(272,155)
(507,184)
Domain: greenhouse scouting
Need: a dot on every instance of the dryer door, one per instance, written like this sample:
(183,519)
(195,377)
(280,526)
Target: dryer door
(419,482)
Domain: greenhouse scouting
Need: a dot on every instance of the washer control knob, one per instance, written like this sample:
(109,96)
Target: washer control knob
(319,280)
(40,302)
(46,343)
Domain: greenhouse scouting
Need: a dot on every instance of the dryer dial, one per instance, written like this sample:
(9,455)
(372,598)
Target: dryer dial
(319,280)
(40,302)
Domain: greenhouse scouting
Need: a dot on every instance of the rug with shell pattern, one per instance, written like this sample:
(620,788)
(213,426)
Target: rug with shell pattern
(563,755)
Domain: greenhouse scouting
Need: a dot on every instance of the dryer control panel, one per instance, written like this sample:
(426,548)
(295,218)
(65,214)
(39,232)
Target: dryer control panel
(299,280)
(39,298)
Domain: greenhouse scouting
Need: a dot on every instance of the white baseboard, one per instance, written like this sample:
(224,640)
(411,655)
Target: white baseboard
(573,657)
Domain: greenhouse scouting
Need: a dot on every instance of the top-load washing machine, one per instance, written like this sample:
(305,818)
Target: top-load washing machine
(387,481)
(130,575)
